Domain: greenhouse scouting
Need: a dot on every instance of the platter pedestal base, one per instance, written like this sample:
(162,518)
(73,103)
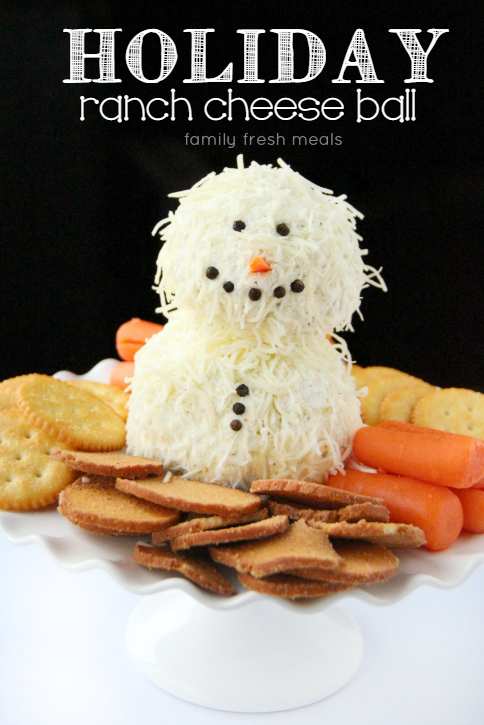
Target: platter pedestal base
(263,656)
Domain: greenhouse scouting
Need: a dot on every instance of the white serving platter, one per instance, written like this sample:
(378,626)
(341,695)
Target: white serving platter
(301,651)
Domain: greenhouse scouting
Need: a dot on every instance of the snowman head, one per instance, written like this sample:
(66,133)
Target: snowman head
(262,245)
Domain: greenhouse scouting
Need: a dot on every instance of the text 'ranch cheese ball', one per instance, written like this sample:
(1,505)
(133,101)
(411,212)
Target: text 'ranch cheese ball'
(242,383)
(304,238)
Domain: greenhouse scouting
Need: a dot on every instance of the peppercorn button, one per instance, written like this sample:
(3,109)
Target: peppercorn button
(242,390)
(297,285)
(239,226)
(212,272)
(236,425)
(238,408)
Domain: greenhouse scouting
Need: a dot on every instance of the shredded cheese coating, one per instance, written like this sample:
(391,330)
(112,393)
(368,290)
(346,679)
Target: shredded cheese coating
(301,410)
(300,414)
(321,249)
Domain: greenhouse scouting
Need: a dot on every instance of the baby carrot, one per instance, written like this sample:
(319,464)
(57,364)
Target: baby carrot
(132,335)
(413,428)
(434,509)
(472,501)
(447,459)
(121,371)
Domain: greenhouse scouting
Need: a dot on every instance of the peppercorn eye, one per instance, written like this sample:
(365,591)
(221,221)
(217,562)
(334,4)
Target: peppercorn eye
(211,272)
(283,229)
(239,226)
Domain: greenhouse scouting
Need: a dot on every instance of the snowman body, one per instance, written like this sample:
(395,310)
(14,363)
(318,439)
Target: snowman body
(258,266)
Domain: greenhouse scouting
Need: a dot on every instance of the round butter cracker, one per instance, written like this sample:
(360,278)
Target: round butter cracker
(8,388)
(399,403)
(378,390)
(69,414)
(455,410)
(365,376)
(29,477)
(116,398)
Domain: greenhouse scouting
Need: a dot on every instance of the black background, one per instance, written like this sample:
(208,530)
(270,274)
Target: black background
(79,199)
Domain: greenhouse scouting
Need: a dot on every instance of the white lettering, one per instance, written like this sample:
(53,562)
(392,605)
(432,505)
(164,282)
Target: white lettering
(317,56)
(134,56)
(83,101)
(148,109)
(205,109)
(400,116)
(119,114)
(417,54)
(363,61)
(251,56)
(105,55)
(174,101)
(359,115)
(199,59)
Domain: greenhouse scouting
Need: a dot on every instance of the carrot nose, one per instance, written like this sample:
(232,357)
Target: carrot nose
(259,264)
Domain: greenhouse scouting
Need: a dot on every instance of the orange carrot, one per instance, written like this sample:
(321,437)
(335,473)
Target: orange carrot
(472,501)
(435,509)
(446,459)
(413,428)
(121,371)
(132,335)
(259,264)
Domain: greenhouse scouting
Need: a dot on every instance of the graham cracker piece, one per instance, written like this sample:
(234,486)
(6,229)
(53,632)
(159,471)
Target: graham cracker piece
(29,478)
(393,536)
(8,388)
(71,415)
(362,563)
(296,511)
(95,478)
(455,410)
(116,398)
(206,523)
(193,566)
(193,496)
(353,512)
(101,504)
(314,494)
(109,464)
(291,587)
(95,528)
(256,530)
(366,511)
(296,547)
(104,530)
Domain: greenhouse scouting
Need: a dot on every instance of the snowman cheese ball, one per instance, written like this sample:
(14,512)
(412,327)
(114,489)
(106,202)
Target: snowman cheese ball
(258,266)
